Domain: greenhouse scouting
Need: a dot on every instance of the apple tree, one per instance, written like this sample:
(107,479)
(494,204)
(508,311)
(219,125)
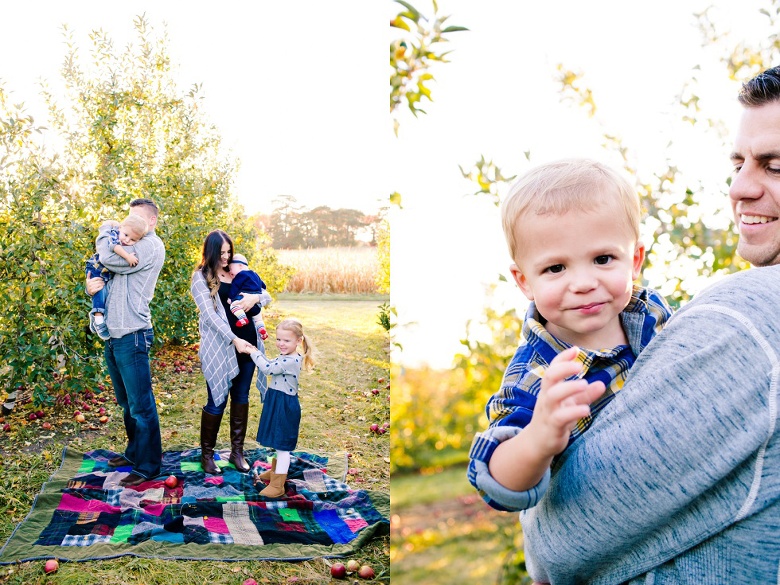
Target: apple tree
(120,130)
(130,132)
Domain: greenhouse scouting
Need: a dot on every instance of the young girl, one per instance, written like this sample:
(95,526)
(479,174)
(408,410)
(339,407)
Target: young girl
(281,416)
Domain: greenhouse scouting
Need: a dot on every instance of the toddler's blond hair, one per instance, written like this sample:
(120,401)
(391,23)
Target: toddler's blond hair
(565,185)
(136,223)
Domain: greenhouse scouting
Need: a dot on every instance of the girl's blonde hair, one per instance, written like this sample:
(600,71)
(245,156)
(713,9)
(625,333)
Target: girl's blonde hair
(136,223)
(296,329)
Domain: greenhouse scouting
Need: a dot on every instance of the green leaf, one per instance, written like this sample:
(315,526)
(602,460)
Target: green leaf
(454,28)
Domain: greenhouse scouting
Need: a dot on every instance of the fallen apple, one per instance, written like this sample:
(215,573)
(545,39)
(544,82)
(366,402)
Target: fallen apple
(51,566)
(338,570)
(366,572)
(103,419)
(80,418)
(6,427)
(352,565)
(46,426)
(171,481)
(374,427)
(375,391)
(249,581)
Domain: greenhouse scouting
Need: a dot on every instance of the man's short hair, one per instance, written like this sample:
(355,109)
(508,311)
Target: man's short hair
(763,89)
(146,203)
(565,185)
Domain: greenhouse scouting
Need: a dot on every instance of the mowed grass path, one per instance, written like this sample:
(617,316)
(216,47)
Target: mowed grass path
(442,533)
(338,408)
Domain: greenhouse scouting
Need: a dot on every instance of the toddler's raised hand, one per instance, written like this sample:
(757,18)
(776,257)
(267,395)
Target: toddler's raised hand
(561,403)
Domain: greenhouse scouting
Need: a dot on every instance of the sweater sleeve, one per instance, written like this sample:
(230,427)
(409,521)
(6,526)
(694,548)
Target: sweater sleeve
(673,460)
(280,365)
(145,249)
(200,292)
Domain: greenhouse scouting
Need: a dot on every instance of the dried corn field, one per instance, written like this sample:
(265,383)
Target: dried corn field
(332,270)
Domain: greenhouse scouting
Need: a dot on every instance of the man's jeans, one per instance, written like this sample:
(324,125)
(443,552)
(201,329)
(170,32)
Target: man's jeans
(127,360)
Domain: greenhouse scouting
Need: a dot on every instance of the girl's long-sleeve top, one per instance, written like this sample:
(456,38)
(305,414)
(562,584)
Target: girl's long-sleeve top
(283,369)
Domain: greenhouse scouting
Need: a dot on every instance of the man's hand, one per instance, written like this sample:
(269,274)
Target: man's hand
(94,285)
(561,403)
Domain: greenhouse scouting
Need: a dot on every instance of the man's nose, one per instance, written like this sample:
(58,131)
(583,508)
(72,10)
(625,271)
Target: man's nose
(746,184)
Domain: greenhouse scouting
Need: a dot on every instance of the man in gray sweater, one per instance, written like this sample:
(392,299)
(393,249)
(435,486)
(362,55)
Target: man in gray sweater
(127,350)
(678,479)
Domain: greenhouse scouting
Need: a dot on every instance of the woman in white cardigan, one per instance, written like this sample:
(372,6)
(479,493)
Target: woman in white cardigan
(227,372)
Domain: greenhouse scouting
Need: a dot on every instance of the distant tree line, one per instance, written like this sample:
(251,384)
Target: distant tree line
(292,226)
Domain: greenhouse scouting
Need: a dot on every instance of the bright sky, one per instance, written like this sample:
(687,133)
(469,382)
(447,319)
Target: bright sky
(296,87)
(497,97)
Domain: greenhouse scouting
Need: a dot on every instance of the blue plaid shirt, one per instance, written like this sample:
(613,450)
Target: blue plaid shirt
(511,408)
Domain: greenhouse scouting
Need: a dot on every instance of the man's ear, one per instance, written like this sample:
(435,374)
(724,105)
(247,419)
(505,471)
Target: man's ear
(521,281)
(639,260)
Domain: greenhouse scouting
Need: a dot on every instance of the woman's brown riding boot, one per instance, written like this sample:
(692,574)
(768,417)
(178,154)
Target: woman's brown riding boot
(239,419)
(209,428)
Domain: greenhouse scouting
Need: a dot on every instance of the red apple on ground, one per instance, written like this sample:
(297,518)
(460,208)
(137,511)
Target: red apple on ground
(375,391)
(32,416)
(366,572)
(249,581)
(51,566)
(6,427)
(338,570)
(171,481)
(374,427)
(103,419)
(80,418)
(46,426)
(352,565)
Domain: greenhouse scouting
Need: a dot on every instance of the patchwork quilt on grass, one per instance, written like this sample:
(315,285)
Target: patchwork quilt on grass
(82,513)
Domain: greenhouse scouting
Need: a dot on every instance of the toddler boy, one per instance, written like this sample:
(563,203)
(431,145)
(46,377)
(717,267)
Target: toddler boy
(128,233)
(572,227)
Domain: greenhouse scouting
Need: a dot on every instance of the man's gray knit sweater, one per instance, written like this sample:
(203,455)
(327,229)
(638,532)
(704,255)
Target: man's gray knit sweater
(678,479)
(131,289)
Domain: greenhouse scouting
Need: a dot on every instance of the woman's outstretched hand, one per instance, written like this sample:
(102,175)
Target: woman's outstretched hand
(243,346)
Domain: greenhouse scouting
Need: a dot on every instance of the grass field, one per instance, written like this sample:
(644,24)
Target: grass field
(338,408)
(332,270)
(442,533)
